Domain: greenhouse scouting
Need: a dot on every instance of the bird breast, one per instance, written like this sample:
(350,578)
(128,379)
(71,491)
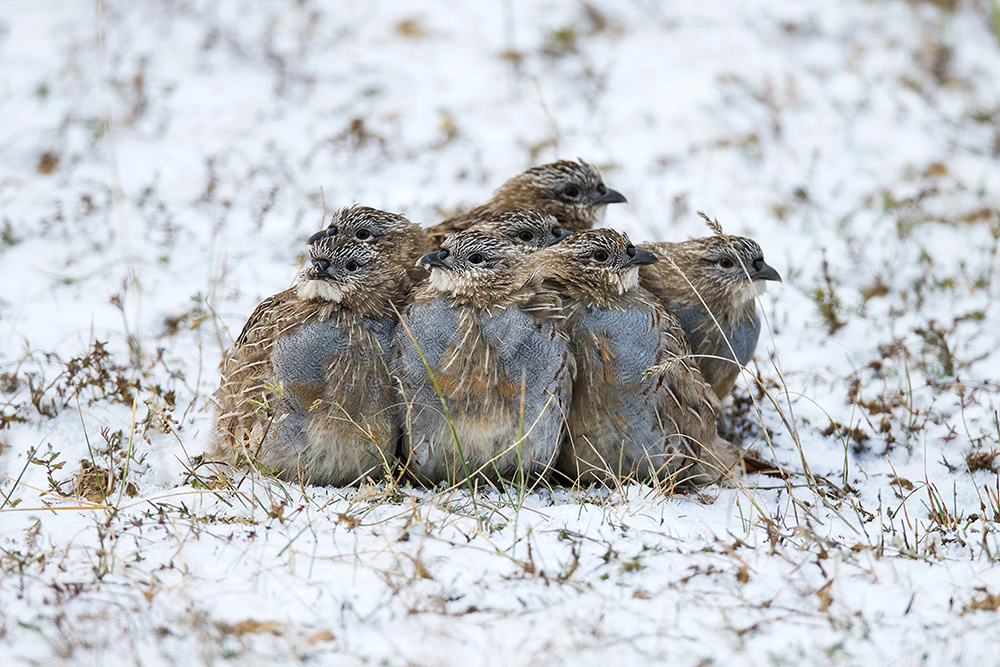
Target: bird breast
(483,357)
(720,337)
(618,346)
(302,361)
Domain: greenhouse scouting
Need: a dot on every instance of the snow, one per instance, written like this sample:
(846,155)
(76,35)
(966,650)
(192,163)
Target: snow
(161,164)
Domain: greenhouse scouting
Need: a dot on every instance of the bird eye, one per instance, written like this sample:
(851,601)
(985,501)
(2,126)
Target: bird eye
(572,192)
(726,263)
(525,236)
(475,258)
(601,256)
(363,234)
(351,266)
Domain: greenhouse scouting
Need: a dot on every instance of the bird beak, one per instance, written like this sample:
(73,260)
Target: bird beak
(435,259)
(639,257)
(318,269)
(322,234)
(560,233)
(612,197)
(762,271)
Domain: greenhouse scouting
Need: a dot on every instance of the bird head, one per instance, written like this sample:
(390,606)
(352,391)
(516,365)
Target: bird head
(477,267)
(572,191)
(598,264)
(389,233)
(531,229)
(723,272)
(734,265)
(352,274)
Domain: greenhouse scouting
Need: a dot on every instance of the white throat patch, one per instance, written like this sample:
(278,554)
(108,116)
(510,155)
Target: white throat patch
(625,281)
(442,280)
(744,292)
(754,289)
(319,289)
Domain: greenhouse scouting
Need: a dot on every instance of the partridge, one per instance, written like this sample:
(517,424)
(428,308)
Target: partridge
(641,408)
(483,366)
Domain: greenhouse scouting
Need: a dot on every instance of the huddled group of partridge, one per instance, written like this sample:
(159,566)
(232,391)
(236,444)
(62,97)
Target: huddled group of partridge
(508,342)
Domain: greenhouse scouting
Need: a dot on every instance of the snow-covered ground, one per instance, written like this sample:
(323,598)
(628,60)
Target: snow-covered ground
(162,162)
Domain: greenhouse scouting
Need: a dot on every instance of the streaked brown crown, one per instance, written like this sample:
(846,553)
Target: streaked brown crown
(532,229)
(720,270)
(572,191)
(354,274)
(389,233)
(477,267)
(597,265)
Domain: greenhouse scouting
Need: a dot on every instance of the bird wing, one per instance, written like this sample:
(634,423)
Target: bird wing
(687,405)
(245,365)
(679,382)
(261,320)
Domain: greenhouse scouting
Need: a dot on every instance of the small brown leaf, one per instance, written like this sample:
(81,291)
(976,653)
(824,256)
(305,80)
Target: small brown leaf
(411,28)
(984,602)
(825,597)
(252,627)
(935,170)
(48,163)
(901,483)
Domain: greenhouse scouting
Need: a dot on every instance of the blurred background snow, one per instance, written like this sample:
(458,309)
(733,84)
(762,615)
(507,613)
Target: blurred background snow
(162,162)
